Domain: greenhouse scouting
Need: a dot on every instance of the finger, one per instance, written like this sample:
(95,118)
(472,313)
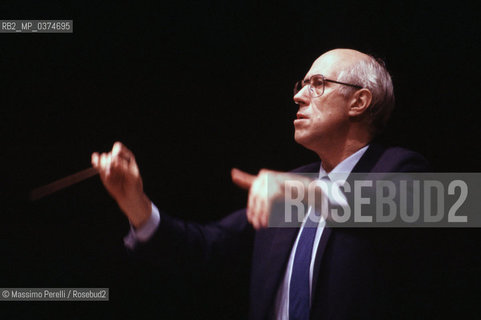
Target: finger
(103,166)
(255,213)
(250,206)
(262,214)
(123,160)
(265,217)
(264,199)
(103,162)
(95,160)
(108,164)
(242,179)
(262,205)
(253,205)
(257,203)
(120,150)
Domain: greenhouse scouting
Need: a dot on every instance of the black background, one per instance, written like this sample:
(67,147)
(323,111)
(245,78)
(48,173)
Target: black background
(195,88)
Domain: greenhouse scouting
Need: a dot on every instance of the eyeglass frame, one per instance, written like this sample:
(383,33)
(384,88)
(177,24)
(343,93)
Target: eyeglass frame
(324,80)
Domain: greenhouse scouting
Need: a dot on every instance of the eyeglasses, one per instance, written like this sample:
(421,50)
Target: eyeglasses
(317,85)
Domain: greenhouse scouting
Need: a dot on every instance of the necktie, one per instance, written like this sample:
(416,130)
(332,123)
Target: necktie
(299,291)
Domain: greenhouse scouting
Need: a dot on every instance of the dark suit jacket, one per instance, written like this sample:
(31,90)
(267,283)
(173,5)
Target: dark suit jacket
(358,274)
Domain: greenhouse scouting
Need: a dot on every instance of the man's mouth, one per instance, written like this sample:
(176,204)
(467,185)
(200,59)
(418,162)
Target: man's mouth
(301,116)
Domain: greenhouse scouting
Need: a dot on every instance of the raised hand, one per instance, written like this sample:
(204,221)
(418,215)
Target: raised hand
(121,177)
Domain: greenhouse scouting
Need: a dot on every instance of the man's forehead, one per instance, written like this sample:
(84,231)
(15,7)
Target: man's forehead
(332,62)
(326,66)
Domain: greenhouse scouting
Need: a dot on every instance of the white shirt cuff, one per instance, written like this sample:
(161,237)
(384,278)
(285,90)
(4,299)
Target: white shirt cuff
(145,232)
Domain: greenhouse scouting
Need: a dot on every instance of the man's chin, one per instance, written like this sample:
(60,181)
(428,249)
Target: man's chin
(307,142)
(301,139)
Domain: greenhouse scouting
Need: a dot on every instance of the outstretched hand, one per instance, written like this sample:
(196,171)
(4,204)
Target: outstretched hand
(264,189)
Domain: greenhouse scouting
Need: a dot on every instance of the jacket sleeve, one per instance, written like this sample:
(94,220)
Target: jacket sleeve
(181,243)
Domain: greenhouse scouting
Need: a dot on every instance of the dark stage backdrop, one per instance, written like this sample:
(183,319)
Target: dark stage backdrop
(195,88)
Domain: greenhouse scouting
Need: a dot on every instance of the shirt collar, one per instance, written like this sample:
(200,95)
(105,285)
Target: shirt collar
(344,168)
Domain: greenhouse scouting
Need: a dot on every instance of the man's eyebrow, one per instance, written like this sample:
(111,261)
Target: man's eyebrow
(309,76)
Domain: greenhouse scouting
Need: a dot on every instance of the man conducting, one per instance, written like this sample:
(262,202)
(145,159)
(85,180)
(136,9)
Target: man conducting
(344,100)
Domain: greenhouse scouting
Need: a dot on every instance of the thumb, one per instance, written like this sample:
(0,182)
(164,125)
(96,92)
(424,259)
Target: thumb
(242,179)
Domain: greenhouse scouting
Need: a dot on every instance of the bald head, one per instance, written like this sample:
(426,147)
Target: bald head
(352,66)
(338,60)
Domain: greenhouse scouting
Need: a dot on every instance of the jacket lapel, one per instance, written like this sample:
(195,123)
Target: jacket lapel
(365,164)
(326,234)
(277,248)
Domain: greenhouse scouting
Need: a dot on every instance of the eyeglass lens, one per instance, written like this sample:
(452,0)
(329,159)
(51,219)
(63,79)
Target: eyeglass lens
(316,86)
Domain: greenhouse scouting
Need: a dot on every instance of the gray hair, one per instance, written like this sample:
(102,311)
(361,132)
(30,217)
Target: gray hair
(371,73)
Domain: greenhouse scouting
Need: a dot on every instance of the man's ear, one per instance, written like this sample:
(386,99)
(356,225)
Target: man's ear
(360,101)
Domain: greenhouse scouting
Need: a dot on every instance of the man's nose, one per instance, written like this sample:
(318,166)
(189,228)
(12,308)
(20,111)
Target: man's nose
(302,97)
